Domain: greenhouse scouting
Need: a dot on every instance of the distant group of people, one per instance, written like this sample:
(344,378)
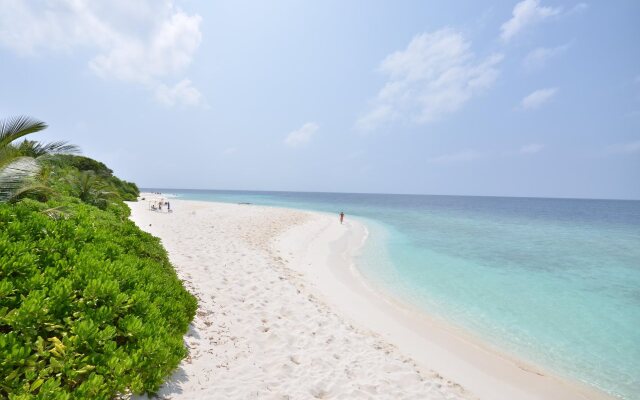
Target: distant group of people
(157,206)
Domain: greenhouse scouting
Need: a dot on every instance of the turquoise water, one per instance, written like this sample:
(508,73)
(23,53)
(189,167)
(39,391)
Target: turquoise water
(555,282)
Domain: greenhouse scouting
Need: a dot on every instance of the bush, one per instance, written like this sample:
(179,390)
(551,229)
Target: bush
(82,163)
(127,191)
(65,166)
(89,304)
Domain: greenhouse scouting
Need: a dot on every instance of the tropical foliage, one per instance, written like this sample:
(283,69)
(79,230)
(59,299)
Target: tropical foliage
(86,179)
(90,307)
(31,148)
(20,163)
(15,168)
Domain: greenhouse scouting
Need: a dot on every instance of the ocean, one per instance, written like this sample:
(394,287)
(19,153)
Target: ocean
(554,282)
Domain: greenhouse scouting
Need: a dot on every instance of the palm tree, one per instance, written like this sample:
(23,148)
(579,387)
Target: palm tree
(19,163)
(31,148)
(91,189)
(15,168)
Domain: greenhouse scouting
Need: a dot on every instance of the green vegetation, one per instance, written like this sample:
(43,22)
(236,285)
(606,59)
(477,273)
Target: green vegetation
(92,186)
(16,167)
(90,306)
(101,177)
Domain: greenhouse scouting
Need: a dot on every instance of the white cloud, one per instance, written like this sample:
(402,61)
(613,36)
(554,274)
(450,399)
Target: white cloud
(142,42)
(538,58)
(167,50)
(525,14)
(624,148)
(457,157)
(182,93)
(532,148)
(538,98)
(379,114)
(301,136)
(435,75)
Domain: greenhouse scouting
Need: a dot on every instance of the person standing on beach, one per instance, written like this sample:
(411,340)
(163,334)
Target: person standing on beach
(341,216)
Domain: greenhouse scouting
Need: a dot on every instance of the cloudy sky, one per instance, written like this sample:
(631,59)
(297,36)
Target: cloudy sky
(529,98)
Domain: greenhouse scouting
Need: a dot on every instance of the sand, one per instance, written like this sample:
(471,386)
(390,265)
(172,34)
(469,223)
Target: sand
(283,314)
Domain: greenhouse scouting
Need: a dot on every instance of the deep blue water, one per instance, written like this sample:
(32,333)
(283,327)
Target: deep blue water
(555,282)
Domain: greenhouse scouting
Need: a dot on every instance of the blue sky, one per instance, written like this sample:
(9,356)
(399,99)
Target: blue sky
(530,98)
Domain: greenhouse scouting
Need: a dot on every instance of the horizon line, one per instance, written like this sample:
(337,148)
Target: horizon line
(394,194)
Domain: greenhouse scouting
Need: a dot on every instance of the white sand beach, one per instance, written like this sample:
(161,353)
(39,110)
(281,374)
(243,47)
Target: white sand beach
(283,314)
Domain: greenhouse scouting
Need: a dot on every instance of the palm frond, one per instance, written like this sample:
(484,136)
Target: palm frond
(14,175)
(36,191)
(107,194)
(57,212)
(31,148)
(16,127)
(59,147)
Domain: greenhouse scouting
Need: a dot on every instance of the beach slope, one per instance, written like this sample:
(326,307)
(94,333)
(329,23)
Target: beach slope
(260,331)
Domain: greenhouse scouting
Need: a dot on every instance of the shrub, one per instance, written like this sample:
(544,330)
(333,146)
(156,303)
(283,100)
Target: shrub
(82,163)
(65,166)
(89,304)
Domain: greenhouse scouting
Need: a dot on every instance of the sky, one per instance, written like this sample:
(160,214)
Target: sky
(501,98)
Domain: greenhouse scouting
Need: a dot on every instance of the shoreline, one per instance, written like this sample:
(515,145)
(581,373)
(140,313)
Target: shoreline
(462,356)
(322,255)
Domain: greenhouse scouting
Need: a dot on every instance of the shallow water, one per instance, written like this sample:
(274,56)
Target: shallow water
(555,282)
